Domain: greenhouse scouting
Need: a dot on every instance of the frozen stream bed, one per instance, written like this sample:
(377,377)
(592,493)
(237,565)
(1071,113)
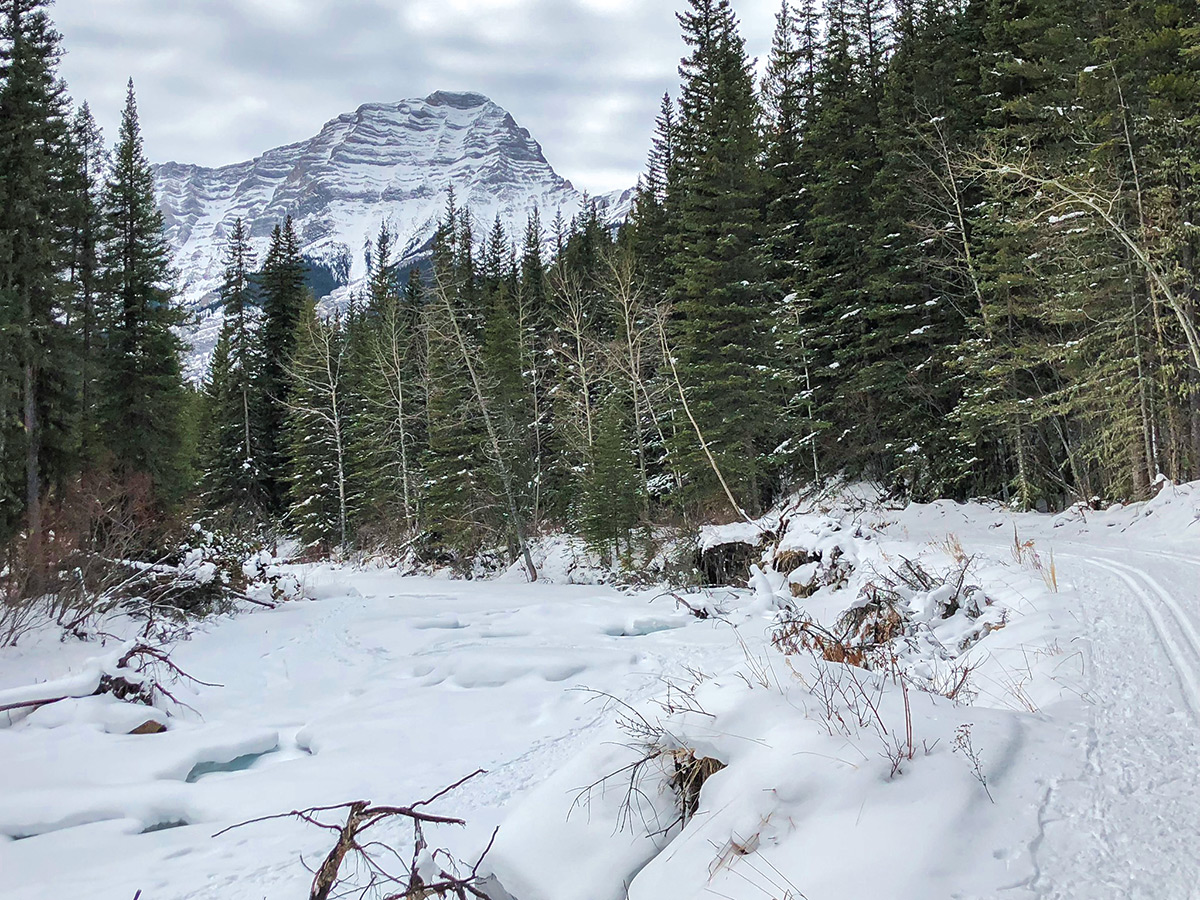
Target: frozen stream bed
(1084,718)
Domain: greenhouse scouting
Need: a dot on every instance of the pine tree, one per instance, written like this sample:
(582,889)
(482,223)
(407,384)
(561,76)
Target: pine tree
(649,225)
(382,288)
(611,500)
(835,324)
(472,491)
(790,103)
(530,309)
(370,459)
(322,507)
(144,390)
(500,358)
(1016,360)
(789,99)
(396,395)
(1141,92)
(496,256)
(930,115)
(91,159)
(460,508)
(533,266)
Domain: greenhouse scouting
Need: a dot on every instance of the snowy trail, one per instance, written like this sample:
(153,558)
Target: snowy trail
(1129,825)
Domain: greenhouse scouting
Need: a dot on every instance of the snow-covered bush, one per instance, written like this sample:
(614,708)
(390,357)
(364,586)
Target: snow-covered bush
(908,614)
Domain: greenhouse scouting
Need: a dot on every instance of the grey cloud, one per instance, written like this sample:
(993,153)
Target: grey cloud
(220,81)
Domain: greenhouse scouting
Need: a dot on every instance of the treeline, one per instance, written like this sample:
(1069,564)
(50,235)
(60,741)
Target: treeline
(945,245)
(453,413)
(94,413)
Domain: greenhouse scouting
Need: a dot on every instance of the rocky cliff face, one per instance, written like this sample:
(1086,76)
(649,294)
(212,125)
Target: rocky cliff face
(393,162)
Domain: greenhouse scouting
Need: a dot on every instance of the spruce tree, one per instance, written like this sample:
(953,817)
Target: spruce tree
(382,288)
(611,500)
(530,309)
(835,325)
(496,256)
(87,236)
(714,200)
(461,510)
(930,115)
(789,99)
(322,503)
(500,358)
(396,394)
(284,299)
(144,389)
(370,471)
(234,478)
(38,373)
(649,225)
(1010,421)
(790,103)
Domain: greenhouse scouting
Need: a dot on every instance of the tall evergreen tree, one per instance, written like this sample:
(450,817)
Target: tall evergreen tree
(144,383)
(284,300)
(396,392)
(929,115)
(530,309)
(87,227)
(37,375)
(610,501)
(790,103)
(323,503)
(649,225)
(234,476)
(836,322)
(460,505)
(714,200)
(1032,55)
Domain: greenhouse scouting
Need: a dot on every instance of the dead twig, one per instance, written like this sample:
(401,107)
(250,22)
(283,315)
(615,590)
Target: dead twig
(361,817)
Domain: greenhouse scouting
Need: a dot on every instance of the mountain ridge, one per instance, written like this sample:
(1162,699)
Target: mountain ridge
(383,162)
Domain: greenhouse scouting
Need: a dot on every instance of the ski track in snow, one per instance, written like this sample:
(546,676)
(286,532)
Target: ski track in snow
(1129,826)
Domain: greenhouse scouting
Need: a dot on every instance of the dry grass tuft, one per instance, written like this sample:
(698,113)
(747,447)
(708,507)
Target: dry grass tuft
(875,623)
(953,548)
(1025,554)
(798,633)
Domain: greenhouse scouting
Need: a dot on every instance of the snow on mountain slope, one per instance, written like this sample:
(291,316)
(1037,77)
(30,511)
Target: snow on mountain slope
(393,162)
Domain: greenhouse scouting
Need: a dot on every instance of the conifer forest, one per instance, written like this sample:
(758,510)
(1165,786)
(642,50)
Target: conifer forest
(944,246)
(815,515)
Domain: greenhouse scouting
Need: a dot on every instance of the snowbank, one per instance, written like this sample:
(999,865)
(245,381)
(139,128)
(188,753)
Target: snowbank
(910,775)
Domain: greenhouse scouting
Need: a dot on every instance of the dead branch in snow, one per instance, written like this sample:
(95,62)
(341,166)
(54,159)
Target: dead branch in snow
(140,676)
(428,875)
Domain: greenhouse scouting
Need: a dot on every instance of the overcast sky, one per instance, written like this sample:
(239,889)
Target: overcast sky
(220,81)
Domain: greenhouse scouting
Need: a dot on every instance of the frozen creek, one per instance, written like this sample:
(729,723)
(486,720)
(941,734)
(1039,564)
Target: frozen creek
(383,688)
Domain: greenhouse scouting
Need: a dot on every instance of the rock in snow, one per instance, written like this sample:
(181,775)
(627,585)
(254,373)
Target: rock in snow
(385,162)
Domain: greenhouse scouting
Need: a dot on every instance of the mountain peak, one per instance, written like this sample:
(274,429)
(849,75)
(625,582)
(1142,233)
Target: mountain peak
(387,162)
(457,100)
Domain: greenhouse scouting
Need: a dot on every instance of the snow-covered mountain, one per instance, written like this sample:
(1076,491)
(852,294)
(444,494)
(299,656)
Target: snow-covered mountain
(393,162)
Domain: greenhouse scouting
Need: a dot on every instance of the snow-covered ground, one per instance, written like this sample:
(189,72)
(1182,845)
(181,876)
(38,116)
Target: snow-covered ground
(1067,770)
